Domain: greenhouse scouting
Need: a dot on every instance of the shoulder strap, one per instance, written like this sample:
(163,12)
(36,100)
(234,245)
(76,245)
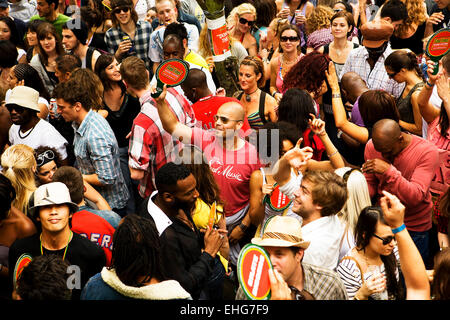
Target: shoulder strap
(326,48)
(89,53)
(262,104)
(357,264)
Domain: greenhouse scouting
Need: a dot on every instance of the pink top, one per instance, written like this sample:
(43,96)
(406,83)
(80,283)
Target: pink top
(441,180)
(409,178)
(231,168)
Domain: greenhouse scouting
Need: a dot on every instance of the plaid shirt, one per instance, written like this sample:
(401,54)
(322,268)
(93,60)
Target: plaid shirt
(97,152)
(377,78)
(322,283)
(141,41)
(150,145)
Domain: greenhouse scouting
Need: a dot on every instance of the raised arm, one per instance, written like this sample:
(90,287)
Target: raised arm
(413,268)
(427,110)
(169,121)
(336,161)
(358,133)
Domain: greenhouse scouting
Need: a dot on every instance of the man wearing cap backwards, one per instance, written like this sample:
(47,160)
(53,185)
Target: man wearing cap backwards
(53,210)
(291,277)
(74,38)
(368,59)
(27,127)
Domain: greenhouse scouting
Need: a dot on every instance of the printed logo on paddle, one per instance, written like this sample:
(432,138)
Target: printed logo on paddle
(253,272)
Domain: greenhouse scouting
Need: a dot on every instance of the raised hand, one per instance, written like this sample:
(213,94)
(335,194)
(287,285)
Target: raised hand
(317,125)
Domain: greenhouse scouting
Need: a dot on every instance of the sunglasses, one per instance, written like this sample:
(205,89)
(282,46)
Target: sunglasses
(223,119)
(391,75)
(245,21)
(46,155)
(121,9)
(286,39)
(386,240)
(12,107)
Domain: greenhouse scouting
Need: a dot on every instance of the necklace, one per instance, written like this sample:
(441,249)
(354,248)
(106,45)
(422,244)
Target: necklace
(340,51)
(65,250)
(248,96)
(26,134)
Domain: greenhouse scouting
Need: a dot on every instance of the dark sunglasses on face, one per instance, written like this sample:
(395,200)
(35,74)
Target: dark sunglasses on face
(245,21)
(291,39)
(391,75)
(223,119)
(15,107)
(385,240)
(120,9)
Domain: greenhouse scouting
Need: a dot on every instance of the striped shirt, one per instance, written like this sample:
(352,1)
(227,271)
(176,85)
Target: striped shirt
(377,78)
(351,275)
(150,145)
(322,283)
(141,41)
(97,152)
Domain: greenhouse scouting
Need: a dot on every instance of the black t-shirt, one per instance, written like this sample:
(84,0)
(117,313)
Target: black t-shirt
(81,252)
(444,23)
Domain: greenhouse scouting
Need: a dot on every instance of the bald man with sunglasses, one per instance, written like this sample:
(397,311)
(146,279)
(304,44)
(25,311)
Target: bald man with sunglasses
(231,159)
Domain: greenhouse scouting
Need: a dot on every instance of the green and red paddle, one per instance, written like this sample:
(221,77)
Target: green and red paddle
(171,72)
(253,272)
(438,46)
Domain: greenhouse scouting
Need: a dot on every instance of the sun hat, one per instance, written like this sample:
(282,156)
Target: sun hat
(376,32)
(25,97)
(53,193)
(282,231)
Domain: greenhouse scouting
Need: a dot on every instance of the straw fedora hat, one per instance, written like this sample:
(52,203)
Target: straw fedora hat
(282,231)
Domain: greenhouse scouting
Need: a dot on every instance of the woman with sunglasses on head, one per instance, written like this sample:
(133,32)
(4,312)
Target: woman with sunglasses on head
(370,269)
(402,66)
(47,160)
(24,74)
(240,22)
(258,105)
(289,54)
(49,48)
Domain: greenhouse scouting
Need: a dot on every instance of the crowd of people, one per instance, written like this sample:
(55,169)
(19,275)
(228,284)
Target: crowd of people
(331,152)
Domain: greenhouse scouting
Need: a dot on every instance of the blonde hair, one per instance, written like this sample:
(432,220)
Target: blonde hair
(18,164)
(358,196)
(417,14)
(319,19)
(241,9)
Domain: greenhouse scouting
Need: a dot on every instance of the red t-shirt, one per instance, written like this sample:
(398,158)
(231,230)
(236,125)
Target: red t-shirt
(96,229)
(409,178)
(206,108)
(231,169)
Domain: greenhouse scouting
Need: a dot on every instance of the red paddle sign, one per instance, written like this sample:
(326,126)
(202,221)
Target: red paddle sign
(21,263)
(277,200)
(253,272)
(438,46)
(171,73)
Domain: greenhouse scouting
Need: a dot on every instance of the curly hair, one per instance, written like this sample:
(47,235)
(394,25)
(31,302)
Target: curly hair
(417,14)
(319,19)
(308,73)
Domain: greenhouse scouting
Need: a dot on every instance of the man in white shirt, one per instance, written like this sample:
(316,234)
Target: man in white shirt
(27,127)
(321,195)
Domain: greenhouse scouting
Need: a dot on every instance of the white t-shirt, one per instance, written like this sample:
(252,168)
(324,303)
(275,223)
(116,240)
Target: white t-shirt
(43,134)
